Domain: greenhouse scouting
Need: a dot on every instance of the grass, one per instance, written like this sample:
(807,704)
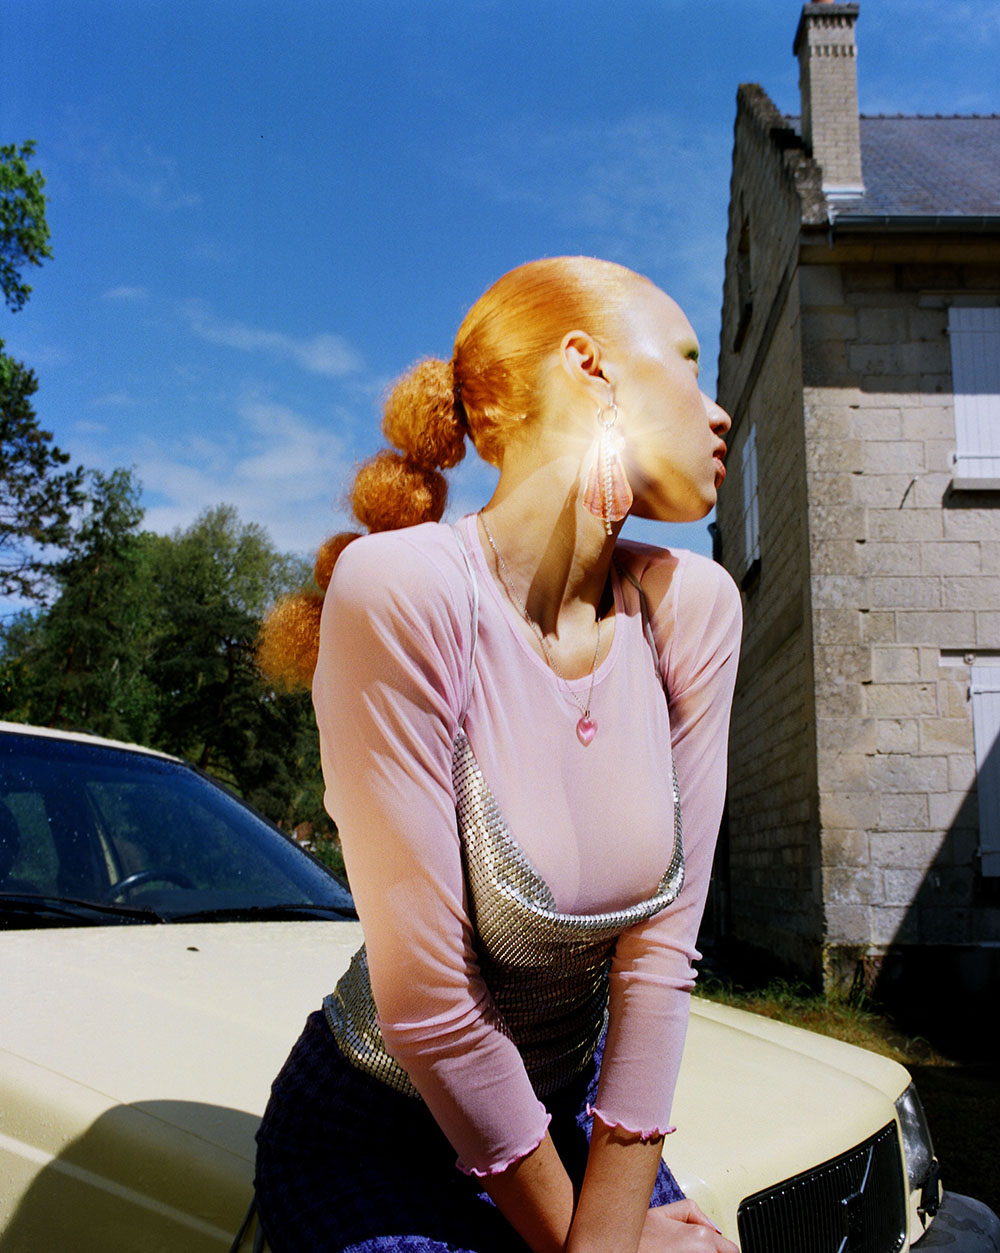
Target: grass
(961,1096)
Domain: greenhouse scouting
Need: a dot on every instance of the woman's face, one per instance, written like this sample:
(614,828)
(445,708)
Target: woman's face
(673,433)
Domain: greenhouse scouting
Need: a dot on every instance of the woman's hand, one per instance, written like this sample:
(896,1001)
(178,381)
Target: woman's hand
(682,1228)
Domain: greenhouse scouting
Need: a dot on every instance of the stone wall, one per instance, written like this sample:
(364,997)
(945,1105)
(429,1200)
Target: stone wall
(773,846)
(905,584)
(853,814)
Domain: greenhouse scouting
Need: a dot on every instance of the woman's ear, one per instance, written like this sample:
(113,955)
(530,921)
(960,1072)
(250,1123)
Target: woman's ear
(580,357)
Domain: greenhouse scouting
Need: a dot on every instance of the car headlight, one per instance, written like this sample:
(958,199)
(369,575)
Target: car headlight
(918,1151)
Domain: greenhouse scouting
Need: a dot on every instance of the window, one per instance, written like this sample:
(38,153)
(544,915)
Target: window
(985,689)
(751,513)
(975,364)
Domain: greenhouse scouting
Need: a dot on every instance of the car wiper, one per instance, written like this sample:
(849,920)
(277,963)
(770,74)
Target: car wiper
(56,909)
(267,913)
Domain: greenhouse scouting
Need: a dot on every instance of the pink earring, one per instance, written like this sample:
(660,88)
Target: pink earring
(607,494)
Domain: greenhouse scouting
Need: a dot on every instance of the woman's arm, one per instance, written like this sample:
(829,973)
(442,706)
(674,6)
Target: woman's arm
(696,618)
(536,1195)
(696,621)
(612,1216)
(614,1200)
(390,687)
(389,691)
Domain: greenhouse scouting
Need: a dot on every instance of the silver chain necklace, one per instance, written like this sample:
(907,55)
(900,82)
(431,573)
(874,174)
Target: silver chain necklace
(586,727)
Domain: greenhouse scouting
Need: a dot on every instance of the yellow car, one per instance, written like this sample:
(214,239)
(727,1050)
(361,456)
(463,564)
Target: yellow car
(136,1057)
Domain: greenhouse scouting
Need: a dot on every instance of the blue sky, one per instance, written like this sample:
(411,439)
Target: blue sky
(263,211)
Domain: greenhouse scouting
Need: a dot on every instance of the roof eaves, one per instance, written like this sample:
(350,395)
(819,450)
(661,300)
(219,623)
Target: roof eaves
(912,224)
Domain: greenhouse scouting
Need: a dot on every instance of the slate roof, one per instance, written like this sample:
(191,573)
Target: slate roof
(927,167)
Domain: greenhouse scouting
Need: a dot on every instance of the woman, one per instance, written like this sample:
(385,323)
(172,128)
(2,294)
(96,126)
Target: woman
(503,768)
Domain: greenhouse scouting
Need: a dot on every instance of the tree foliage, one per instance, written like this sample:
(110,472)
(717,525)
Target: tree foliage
(24,230)
(148,638)
(37,496)
(215,581)
(151,639)
(79,664)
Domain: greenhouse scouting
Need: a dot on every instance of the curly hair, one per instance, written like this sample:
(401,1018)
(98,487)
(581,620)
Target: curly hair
(490,389)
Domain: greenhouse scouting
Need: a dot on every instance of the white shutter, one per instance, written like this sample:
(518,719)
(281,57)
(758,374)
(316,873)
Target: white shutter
(985,689)
(975,367)
(751,515)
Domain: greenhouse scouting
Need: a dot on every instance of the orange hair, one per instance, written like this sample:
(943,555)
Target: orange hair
(489,389)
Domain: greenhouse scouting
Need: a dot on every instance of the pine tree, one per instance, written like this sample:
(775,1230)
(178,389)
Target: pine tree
(37,496)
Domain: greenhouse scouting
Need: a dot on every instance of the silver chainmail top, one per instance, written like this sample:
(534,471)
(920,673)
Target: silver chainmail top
(546,971)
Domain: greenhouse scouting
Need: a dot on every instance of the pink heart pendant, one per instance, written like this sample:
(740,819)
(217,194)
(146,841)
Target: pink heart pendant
(586,729)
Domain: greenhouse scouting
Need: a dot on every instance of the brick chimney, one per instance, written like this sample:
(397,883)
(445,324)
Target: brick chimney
(828,84)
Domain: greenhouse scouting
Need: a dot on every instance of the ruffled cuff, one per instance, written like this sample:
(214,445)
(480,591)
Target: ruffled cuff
(653,1134)
(498,1168)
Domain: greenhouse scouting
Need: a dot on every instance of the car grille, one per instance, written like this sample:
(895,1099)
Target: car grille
(855,1203)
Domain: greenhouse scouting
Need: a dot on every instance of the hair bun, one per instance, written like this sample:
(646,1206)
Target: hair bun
(327,556)
(391,491)
(421,418)
(288,643)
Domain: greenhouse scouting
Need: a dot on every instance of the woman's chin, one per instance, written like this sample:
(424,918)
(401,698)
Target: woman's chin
(673,511)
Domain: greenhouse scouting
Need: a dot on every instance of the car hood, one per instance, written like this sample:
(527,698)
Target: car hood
(188,1013)
(758,1101)
(187,1024)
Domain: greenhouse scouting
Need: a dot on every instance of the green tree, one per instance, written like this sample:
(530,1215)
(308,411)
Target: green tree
(81,663)
(151,638)
(215,581)
(24,230)
(36,495)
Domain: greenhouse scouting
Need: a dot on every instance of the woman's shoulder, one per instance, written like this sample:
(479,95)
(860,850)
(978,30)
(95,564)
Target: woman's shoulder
(694,607)
(676,577)
(417,569)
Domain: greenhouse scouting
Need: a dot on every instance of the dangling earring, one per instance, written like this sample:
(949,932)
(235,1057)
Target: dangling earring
(607,494)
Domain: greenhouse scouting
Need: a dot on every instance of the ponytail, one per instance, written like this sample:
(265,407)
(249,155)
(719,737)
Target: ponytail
(489,390)
(424,421)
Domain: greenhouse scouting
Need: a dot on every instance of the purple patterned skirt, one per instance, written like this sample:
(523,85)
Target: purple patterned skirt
(347,1165)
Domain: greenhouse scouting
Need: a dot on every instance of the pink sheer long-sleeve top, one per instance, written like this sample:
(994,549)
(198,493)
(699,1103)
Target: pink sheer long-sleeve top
(395,679)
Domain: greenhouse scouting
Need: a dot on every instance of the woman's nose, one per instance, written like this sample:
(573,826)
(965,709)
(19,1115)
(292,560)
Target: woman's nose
(718,419)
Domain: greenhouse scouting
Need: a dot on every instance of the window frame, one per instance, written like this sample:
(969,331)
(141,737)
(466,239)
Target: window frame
(974,334)
(750,481)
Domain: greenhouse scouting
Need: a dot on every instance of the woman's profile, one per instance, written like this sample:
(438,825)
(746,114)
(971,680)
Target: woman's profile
(523,723)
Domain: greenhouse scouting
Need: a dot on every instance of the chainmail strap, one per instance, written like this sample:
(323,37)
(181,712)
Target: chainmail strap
(546,971)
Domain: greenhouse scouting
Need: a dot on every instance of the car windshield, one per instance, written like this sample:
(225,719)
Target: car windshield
(94,833)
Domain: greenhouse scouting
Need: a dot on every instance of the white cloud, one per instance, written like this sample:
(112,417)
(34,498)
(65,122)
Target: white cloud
(326,354)
(126,295)
(114,400)
(128,167)
(277,468)
(36,355)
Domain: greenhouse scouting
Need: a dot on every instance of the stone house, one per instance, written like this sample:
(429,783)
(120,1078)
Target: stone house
(860,360)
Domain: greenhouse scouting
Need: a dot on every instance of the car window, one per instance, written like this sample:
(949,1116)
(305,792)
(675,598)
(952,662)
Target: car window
(96,823)
(29,854)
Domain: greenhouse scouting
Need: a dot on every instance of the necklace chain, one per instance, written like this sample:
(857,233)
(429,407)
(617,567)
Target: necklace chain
(508,587)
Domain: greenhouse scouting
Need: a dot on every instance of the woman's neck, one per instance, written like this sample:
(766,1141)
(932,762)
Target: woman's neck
(557,554)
